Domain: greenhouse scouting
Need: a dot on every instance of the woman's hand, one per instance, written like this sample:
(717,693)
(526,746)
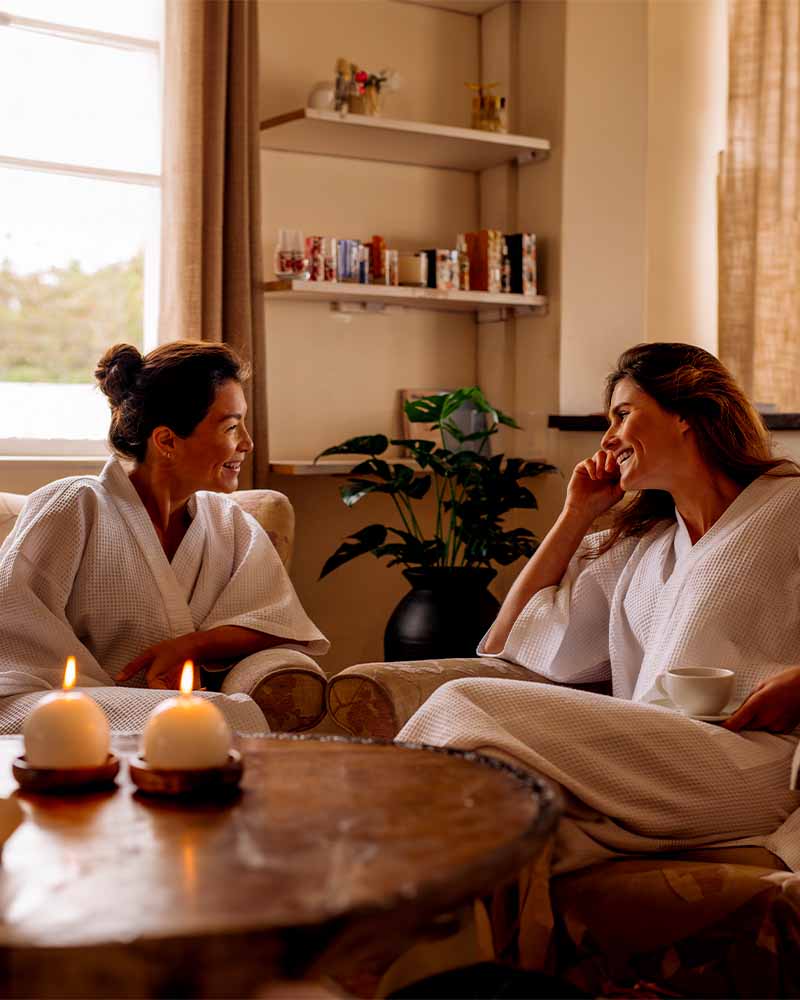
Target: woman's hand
(594,486)
(223,644)
(164,663)
(774,705)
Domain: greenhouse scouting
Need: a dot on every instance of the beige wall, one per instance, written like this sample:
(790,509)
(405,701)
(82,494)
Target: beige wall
(435,51)
(686,127)
(603,249)
(21,475)
(331,376)
(644,120)
(334,375)
(540,206)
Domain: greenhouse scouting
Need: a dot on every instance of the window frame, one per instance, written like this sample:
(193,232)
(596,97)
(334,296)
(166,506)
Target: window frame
(52,449)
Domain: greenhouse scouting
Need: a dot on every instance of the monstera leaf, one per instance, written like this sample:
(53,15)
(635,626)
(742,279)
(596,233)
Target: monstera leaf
(472,491)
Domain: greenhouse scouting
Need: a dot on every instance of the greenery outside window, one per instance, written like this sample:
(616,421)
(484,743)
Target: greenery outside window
(80,163)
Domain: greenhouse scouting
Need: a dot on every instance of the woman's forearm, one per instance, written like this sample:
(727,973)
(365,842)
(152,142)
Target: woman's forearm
(545,568)
(230,642)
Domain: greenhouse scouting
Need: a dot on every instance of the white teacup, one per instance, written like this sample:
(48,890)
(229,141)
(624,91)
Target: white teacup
(697,690)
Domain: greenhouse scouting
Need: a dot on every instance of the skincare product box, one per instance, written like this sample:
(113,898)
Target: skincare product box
(522,262)
(412,269)
(485,252)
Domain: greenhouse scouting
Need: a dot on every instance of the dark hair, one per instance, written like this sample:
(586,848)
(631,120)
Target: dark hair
(730,434)
(174,386)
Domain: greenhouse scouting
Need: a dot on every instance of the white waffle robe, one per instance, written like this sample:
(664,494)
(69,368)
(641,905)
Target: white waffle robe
(639,776)
(83,573)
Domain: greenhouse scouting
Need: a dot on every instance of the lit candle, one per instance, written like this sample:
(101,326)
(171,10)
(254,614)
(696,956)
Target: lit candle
(187,732)
(66,729)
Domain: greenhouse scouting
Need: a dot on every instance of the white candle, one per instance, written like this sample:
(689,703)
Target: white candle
(187,732)
(66,729)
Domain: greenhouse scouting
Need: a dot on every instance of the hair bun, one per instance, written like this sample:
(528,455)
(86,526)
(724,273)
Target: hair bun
(117,371)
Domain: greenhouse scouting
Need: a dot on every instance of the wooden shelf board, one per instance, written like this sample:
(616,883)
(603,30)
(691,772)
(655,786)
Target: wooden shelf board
(339,467)
(329,466)
(401,295)
(364,137)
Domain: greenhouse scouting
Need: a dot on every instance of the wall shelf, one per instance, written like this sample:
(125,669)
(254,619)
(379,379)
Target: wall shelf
(374,298)
(329,466)
(339,467)
(366,137)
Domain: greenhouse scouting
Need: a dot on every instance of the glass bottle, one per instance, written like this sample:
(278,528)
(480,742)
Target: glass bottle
(463,263)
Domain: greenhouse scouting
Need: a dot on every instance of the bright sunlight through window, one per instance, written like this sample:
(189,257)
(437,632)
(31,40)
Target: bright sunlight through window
(80,155)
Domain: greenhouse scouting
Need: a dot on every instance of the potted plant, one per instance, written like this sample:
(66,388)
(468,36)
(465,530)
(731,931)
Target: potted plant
(449,568)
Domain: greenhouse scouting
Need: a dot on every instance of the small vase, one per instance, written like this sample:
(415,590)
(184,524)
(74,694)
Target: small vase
(446,613)
(356,104)
(373,100)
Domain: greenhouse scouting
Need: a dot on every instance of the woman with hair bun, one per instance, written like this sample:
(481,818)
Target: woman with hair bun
(701,568)
(149,564)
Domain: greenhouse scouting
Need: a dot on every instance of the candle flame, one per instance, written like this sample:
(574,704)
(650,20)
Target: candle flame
(187,677)
(70,674)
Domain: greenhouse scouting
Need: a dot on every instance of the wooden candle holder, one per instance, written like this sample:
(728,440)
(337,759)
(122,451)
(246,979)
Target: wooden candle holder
(201,782)
(65,780)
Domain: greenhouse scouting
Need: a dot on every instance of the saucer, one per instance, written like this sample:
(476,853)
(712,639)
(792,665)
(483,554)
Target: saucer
(665,703)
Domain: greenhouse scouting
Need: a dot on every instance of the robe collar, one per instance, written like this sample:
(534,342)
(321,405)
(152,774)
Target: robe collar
(749,500)
(114,478)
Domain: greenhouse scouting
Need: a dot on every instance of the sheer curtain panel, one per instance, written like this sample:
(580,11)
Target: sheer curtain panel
(211,234)
(759,246)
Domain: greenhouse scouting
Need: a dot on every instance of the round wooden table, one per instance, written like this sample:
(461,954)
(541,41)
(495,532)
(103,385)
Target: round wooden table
(332,844)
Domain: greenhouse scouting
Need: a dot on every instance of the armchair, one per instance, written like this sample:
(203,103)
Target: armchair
(715,923)
(292,695)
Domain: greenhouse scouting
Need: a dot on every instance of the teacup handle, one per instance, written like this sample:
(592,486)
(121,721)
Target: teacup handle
(661,686)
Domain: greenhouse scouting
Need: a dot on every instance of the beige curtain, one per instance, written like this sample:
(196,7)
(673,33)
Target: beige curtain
(759,245)
(211,234)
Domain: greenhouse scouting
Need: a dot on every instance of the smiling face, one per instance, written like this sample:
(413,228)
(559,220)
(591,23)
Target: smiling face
(211,456)
(649,444)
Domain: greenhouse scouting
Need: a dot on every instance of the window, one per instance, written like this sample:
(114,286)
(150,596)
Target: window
(80,160)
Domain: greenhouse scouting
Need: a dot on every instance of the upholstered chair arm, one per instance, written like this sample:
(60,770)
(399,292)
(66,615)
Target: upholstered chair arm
(287,685)
(377,699)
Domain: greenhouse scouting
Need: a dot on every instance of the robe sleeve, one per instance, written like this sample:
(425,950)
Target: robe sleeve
(260,595)
(38,565)
(562,632)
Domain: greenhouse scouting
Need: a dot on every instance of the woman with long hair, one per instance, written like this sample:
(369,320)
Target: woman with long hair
(151,563)
(700,568)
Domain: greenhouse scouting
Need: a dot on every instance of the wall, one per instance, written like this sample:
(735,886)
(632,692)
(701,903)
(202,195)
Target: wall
(686,127)
(603,235)
(24,475)
(644,121)
(331,376)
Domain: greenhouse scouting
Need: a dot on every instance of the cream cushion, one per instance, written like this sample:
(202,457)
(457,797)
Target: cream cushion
(10,505)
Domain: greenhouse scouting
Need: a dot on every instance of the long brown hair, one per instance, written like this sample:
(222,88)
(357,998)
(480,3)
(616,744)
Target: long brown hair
(730,434)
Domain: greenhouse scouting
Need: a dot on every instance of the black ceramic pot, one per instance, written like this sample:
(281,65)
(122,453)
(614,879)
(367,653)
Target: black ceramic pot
(446,613)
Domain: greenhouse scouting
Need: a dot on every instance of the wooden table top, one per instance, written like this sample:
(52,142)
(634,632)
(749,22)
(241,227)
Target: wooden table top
(327,835)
